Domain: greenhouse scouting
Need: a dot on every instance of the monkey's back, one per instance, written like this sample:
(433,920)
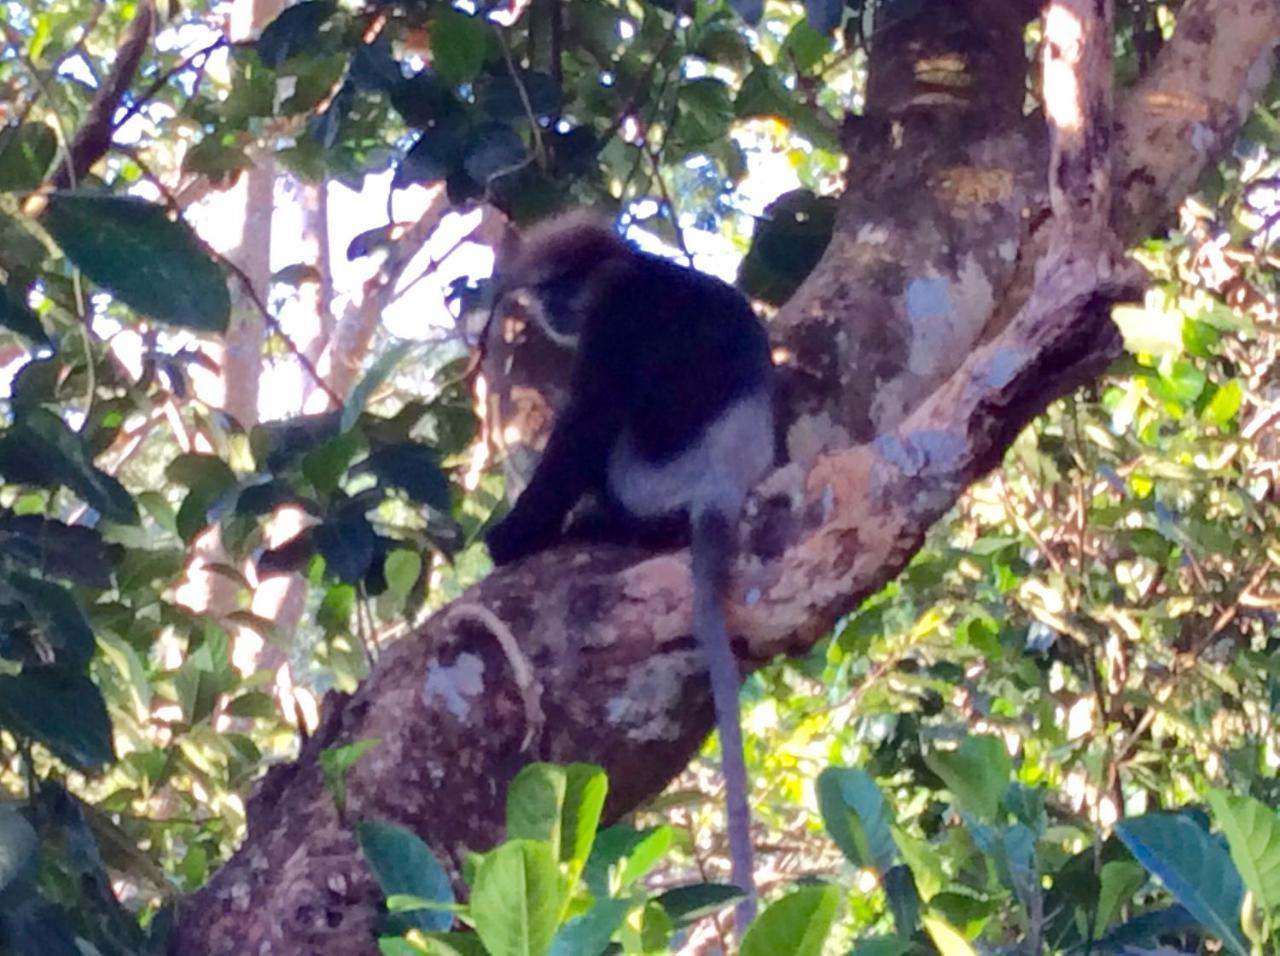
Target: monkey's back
(692,346)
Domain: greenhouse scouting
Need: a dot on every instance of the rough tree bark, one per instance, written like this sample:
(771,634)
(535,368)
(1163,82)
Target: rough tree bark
(958,297)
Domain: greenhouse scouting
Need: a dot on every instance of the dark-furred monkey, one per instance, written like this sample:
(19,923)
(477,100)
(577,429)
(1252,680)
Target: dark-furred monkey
(669,424)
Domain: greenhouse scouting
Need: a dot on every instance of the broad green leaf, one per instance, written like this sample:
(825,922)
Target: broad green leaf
(57,617)
(294,31)
(1252,830)
(415,469)
(1194,867)
(26,151)
(152,263)
(621,855)
(17,316)
(403,864)
(55,549)
(857,817)
(379,371)
(1225,403)
(806,45)
(904,901)
(65,712)
(439,944)
(924,861)
(458,44)
(40,449)
(516,898)
(1118,881)
(589,933)
(584,798)
(402,569)
(796,925)
(976,773)
(881,946)
(946,937)
(324,466)
(685,904)
(561,805)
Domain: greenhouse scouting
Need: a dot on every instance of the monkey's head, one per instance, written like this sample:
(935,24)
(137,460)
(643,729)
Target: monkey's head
(559,270)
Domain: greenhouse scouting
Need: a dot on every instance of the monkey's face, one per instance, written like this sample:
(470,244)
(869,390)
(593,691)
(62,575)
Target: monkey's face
(558,295)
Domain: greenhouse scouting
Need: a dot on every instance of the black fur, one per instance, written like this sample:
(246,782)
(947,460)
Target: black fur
(662,351)
(673,379)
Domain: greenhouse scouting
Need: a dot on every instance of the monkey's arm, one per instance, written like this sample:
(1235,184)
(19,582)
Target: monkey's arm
(576,455)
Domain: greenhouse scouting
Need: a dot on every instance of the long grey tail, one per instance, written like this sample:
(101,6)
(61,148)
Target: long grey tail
(713,551)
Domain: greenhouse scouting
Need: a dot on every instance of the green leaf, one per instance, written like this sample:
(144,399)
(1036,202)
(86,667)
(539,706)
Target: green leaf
(415,469)
(925,863)
(516,898)
(324,466)
(686,904)
(403,864)
(1252,830)
(881,946)
(806,45)
(976,773)
(1225,403)
(294,31)
(26,151)
(1194,867)
(56,549)
(561,805)
(402,569)
(857,817)
(1118,881)
(904,900)
(946,937)
(378,373)
(57,617)
(796,925)
(347,542)
(15,315)
(152,263)
(622,855)
(458,44)
(589,933)
(40,449)
(1180,382)
(205,675)
(65,712)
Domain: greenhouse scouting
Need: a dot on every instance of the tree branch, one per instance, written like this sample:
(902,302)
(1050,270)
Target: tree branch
(617,678)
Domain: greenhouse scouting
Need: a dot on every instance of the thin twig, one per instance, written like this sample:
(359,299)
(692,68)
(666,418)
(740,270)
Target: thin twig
(272,322)
(539,151)
(671,207)
(147,95)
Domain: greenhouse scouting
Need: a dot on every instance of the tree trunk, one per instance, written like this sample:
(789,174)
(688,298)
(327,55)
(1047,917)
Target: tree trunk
(958,297)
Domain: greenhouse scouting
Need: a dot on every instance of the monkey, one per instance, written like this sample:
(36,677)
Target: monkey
(668,425)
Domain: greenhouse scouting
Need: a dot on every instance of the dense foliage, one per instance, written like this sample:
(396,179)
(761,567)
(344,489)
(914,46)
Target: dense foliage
(1070,691)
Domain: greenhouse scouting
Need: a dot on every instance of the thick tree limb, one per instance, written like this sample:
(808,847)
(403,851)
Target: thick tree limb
(602,667)
(93,139)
